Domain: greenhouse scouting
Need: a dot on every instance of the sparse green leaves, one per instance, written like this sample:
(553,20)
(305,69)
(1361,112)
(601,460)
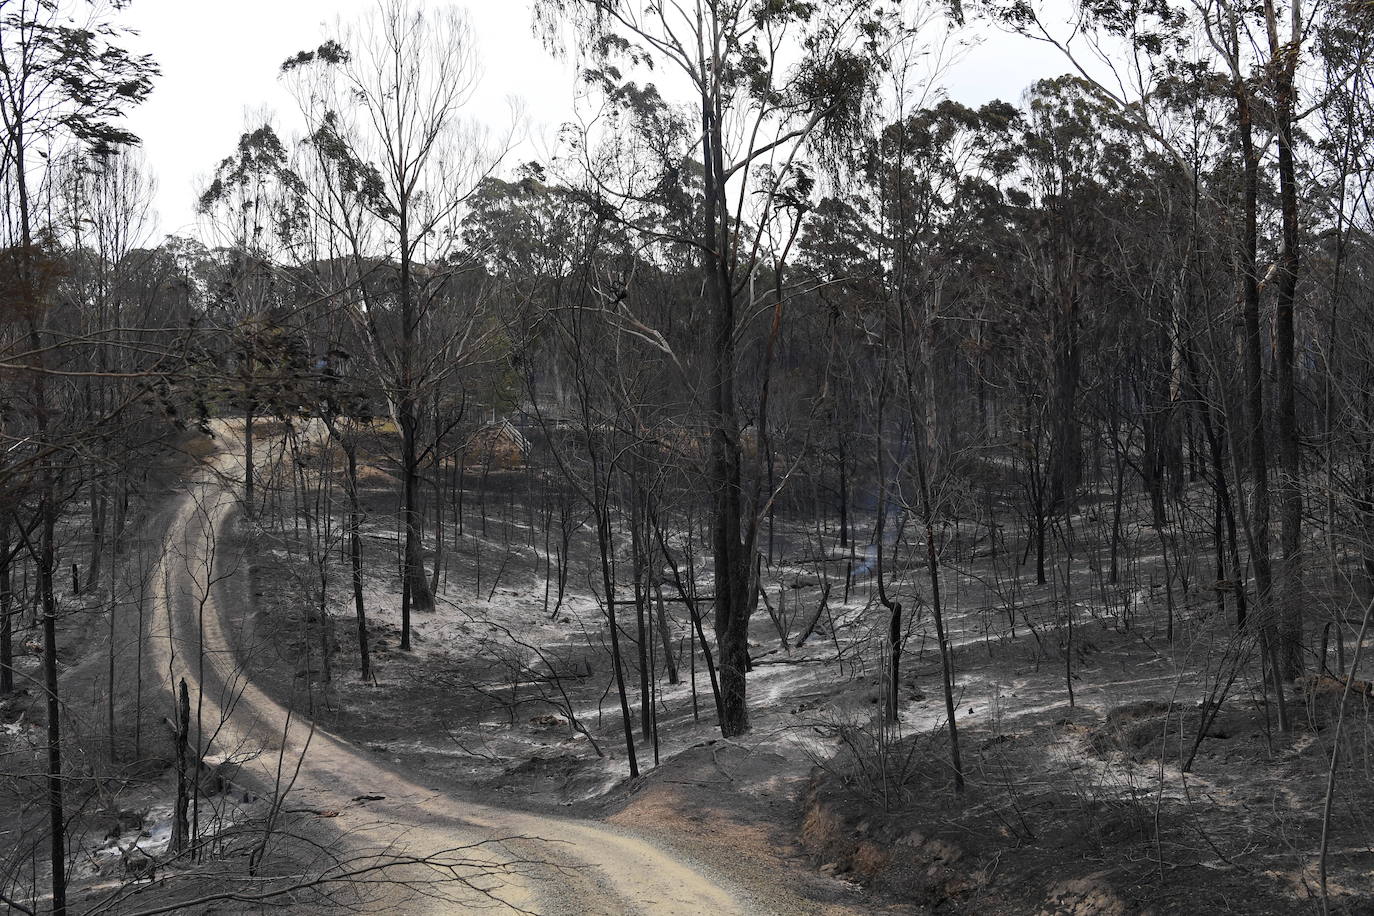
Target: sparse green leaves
(778,12)
(85,80)
(260,157)
(357,179)
(330,53)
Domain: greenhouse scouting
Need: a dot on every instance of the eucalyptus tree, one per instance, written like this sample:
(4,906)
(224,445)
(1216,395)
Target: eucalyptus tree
(928,175)
(529,235)
(1262,73)
(1285,37)
(245,205)
(549,254)
(100,210)
(1342,271)
(839,254)
(393,161)
(1344,144)
(750,91)
(1132,52)
(104,217)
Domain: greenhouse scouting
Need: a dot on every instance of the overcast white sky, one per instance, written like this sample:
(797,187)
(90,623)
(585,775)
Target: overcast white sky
(220,61)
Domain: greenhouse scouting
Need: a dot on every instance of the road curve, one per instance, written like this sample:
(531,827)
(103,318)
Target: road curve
(510,861)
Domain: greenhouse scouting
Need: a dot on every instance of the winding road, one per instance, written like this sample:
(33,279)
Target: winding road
(469,856)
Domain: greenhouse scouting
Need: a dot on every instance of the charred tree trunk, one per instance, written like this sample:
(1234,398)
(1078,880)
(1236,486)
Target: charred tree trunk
(248,418)
(355,559)
(665,634)
(732,567)
(641,598)
(99,518)
(603,531)
(421,598)
(1290,623)
(415,593)
(1253,345)
(688,597)
(45,557)
(181,826)
(6,611)
(57,823)
(843,461)
(1067,450)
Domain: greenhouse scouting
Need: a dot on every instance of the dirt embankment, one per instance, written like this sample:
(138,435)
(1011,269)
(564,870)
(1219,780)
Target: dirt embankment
(1078,814)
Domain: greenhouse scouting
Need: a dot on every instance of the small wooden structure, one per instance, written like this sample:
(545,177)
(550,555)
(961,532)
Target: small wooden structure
(500,444)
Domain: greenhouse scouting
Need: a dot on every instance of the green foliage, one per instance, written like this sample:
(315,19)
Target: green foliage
(358,180)
(260,156)
(522,230)
(839,248)
(68,79)
(330,53)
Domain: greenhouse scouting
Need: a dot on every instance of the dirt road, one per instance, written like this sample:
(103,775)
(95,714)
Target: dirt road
(499,859)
